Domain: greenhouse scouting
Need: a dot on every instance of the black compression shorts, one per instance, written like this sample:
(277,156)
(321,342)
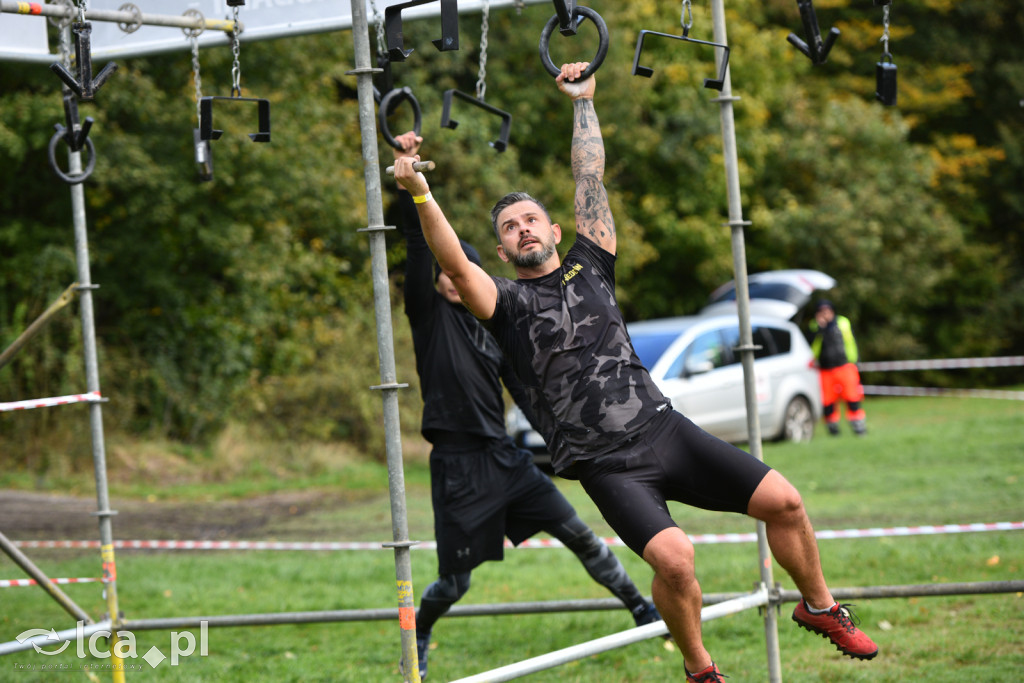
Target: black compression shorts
(673,459)
(483,493)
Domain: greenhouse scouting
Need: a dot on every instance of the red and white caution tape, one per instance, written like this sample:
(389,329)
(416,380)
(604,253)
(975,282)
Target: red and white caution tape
(942,364)
(91,397)
(936,391)
(530,543)
(10,583)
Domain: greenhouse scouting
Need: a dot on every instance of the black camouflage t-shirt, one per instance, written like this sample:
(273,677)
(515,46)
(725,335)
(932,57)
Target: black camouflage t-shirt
(568,345)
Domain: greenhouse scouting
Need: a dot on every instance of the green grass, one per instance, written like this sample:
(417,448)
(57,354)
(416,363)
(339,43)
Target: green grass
(925,461)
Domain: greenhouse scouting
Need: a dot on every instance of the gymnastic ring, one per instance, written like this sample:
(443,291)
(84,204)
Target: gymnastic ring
(602,47)
(79,177)
(385,108)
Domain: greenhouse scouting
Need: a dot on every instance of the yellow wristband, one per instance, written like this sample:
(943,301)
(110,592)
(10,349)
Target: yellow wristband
(423,198)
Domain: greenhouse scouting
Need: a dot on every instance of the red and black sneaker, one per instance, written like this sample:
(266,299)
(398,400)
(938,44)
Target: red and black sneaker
(708,675)
(838,626)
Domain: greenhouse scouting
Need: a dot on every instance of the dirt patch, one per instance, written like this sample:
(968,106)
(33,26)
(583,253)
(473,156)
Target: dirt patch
(42,516)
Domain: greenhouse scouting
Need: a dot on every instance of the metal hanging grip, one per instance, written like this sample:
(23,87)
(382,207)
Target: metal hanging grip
(449,39)
(85,86)
(647,72)
(885,81)
(76,135)
(448,122)
(207,131)
(392,99)
(602,47)
(566,18)
(203,155)
(70,179)
(815,48)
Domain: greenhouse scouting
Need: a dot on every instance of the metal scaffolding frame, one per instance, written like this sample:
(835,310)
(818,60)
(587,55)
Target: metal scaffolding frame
(719,604)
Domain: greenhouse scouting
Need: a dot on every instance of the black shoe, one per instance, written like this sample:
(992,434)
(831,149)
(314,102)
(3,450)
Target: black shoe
(422,645)
(833,428)
(648,614)
(859,428)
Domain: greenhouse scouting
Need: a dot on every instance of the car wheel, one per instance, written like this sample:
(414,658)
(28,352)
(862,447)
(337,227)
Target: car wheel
(798,421)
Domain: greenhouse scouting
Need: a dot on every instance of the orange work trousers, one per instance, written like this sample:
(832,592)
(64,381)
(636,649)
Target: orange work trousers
(842,383)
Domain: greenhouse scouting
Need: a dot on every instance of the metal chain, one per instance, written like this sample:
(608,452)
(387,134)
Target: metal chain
(687,12)
(196,77)
(65,46)
(379,18)
(885,31)
(83,6)
(236,65)
(481,81)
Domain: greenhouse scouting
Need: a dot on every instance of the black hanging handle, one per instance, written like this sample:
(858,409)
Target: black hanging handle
(647,72)
(392,99)
(75,133)
(815,48)
(602,46)
(85,86)
(565,9)
(207,131)
(885,81)
(203,155)
(70,179)
(449,39)
(501,144)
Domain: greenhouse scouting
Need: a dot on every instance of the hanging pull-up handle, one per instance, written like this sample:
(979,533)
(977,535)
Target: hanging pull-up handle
(647,72)
(602,47)
(207,131)
(449,39)
(885,81)
(815,48)
(70,179)
(390,100)
(75,133)
(203,155)
(416,166)
(85,86)
(566,18)
(448,122)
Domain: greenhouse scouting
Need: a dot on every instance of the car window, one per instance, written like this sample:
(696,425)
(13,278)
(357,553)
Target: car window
(731,339)
(780,338)
(765,341)
(650,345)
(707,352)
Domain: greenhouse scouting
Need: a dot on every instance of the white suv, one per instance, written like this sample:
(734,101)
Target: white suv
(693,361)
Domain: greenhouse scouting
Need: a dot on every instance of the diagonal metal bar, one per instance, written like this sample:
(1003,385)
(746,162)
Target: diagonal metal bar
(38,324)
(22,560)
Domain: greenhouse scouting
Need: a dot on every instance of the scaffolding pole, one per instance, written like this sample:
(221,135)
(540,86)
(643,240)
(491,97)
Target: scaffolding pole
(128,18)
(746,347)
(385,340)
(628,637)
(92,379)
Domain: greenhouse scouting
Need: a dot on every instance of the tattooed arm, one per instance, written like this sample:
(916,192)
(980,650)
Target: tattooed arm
(593,214)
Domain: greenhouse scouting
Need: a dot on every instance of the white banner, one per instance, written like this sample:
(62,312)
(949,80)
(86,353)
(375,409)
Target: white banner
(23,34)
(260,19)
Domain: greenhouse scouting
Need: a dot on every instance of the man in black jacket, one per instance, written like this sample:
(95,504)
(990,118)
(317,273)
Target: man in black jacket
(483,486)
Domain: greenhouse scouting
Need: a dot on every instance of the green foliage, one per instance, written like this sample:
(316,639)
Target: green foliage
(250,297)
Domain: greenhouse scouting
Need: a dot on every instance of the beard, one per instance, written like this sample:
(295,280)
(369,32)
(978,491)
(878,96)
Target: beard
(533,259)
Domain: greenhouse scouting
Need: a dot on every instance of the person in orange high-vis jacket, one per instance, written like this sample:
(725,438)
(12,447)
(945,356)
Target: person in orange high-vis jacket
(836,352)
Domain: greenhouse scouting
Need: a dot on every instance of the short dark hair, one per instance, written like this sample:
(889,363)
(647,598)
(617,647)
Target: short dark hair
(507,201)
